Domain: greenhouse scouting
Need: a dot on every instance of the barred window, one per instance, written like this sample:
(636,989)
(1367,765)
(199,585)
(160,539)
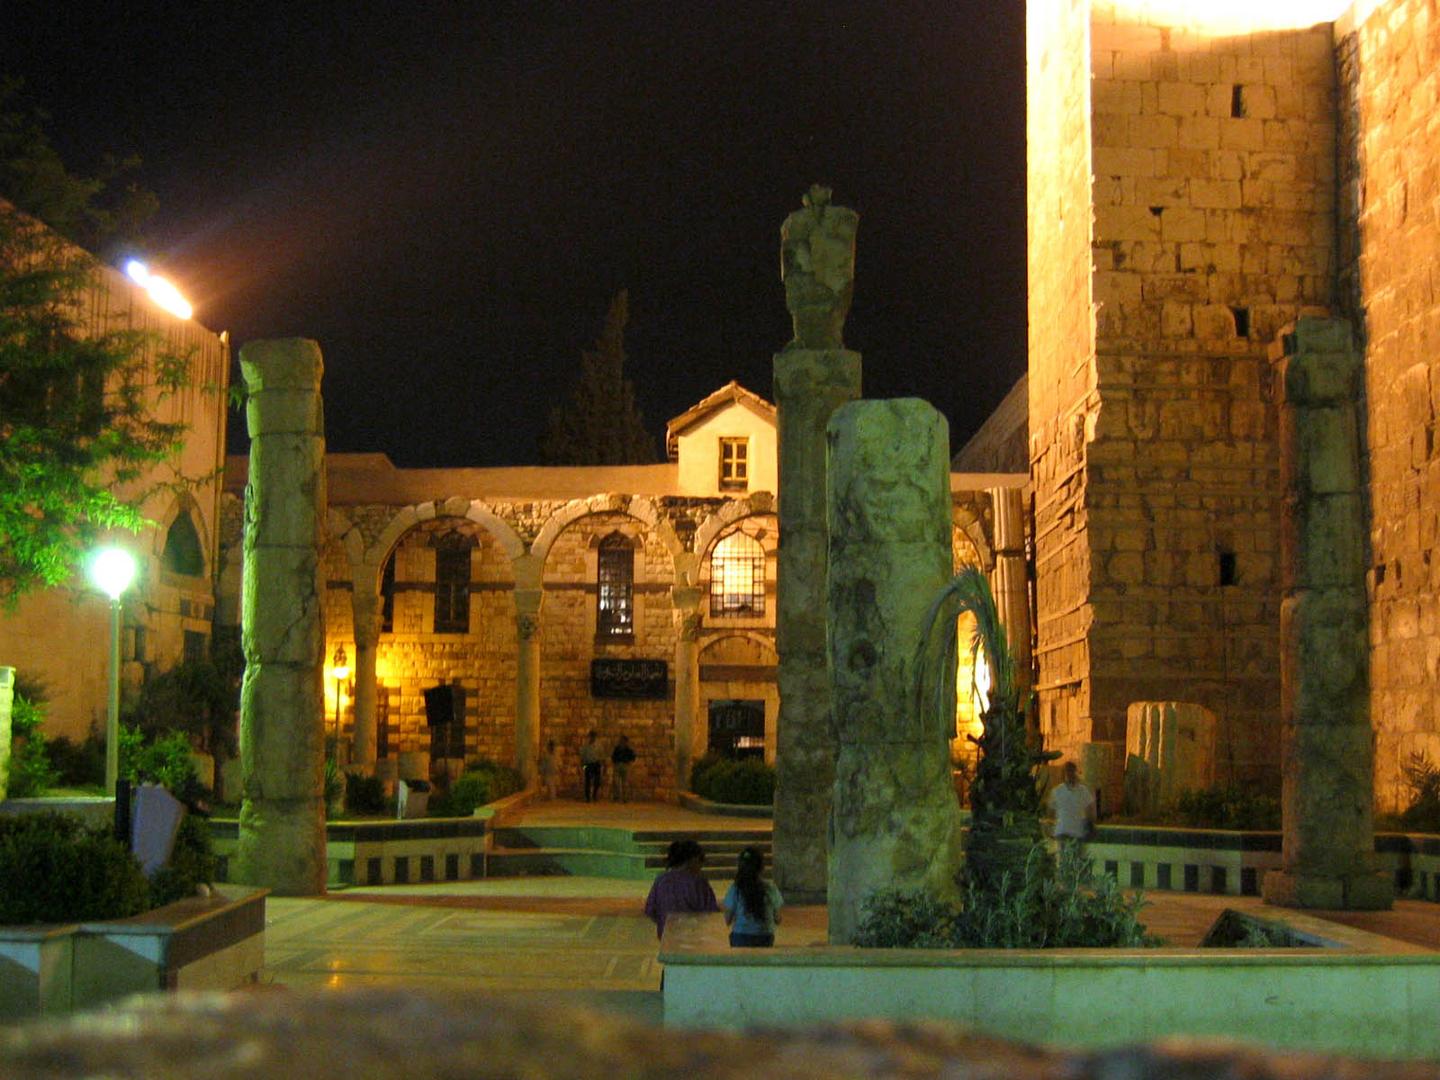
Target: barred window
(452,584)
(614,612)
(737,577)
(734,464)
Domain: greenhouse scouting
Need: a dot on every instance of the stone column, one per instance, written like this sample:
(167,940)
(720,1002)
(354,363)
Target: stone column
(1009,580)
(686,599)
(809,386)
(365,609)
(282,700)
(1328,746)
(527,682)
(7,698)
(894,818)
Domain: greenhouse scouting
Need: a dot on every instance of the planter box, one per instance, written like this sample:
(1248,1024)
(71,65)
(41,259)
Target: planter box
(1360,994)
(210,943)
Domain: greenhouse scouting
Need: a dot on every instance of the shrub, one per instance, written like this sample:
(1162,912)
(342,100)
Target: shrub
(30,771)
(704,765)
(365,794)
(1423,778)
(195,697)
(482,782)
(54,869)
(1045,907)
(746,782)
(1227,807)
(79,764)
(165,760)
(191,865)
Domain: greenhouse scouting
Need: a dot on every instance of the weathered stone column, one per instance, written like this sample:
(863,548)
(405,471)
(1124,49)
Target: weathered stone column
(282,700)
(814,375)
(527,682)
(1328,745)
(365,610)
(1009,583)
(894,818)
(7,698)
(686,599)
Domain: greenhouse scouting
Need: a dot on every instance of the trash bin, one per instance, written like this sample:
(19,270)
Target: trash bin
(412,799)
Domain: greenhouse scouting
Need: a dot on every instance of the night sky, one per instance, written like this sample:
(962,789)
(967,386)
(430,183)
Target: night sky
(446,196)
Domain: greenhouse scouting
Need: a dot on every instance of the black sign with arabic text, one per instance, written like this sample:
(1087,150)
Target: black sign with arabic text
(611,678)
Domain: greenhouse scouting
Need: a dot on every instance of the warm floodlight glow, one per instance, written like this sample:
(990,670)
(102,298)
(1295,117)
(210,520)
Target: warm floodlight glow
(1216,17)
(981,682)
(161,290)
(112,570)
(340,664)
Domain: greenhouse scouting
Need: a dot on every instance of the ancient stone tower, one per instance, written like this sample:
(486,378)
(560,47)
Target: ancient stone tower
(1195,185)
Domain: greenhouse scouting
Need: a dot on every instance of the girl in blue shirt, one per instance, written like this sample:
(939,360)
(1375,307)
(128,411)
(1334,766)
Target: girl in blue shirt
(752,905)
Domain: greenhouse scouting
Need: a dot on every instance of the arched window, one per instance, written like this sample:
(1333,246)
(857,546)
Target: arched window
(615,580)
(183,554)
(387,596)
(452,583)
(737,577)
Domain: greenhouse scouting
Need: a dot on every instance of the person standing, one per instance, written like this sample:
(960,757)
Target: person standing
(752,905)
(682,887)
(591,757)
(620,760)
(549,769)
(1073,805)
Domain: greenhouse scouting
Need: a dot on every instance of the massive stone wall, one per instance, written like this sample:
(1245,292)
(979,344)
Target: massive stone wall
(1156,487)
(1061,340)
(1390,251)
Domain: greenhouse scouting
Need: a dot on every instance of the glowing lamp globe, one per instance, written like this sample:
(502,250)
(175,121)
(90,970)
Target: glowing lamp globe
(112,570)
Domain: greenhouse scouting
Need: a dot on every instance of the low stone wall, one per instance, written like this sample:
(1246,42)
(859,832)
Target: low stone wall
(690,801)
(386,852)
(1365,995)
(201,943)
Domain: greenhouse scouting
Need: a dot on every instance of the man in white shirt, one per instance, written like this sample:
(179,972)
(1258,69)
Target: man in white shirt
(1073,805)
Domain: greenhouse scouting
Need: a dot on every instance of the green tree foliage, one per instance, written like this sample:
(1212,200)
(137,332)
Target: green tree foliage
(195,697)
(599,423)
(76,403)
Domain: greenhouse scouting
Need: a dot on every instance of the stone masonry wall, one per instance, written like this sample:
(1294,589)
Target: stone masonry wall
(1390,272)
(1061,343)
(1213,164)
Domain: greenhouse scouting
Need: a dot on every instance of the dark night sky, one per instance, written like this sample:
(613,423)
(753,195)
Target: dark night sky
(447,195)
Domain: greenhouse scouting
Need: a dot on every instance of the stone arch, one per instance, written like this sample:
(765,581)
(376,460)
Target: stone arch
(733,682)
(968,522)
(640,507)
(710,529)
(757,637)
(370,563)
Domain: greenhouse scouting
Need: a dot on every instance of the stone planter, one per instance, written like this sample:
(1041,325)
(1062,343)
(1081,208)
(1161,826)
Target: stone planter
(203,943)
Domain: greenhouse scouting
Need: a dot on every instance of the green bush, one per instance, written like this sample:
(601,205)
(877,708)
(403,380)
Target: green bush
(1046,907)
(703,766)
(482,782)
(745,782)
(79,764)
(1423,779)
(195,697)
(365,794)
(1226,807)
(30,771)
(191,865)
(54,869)
(164,760)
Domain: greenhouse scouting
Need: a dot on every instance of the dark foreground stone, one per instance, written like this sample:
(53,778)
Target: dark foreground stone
(387,1034)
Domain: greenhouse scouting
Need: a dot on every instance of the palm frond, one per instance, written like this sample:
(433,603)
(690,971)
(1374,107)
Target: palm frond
(969,591)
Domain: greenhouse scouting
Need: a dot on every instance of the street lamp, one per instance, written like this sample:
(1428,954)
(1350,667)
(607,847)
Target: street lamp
(112,570)
(340,668)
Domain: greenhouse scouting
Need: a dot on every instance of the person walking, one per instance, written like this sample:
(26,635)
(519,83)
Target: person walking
(752,904)
(682,887)
(621,759)
(549,770)
(591,757)
(1073,805)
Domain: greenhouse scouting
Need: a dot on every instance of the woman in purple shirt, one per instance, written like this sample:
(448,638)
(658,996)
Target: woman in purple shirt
(681,887)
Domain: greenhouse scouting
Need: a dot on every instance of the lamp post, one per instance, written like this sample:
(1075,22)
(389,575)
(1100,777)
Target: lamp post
(340,668)
(112,570)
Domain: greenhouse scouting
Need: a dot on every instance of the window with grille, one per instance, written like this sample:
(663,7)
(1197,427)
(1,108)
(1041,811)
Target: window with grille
(615,573)
(734,464)
(737,577)
(452,585)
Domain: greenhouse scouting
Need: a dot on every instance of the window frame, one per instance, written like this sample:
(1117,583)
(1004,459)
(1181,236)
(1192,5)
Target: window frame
(452,597)
(721,606)
(615,588)
(734,474)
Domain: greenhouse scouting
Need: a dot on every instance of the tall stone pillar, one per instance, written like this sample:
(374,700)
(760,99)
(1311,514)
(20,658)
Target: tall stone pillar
(7,697)
(686,599)
(814,375)
(894,818)
(282,700)
(365,609)
(1009,581)
(527,682)
(1328,745)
